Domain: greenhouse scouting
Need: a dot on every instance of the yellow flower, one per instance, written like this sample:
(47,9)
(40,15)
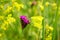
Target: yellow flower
(13,0)
(49,27)
(11,19)
(0,34)
(40,4)
(39,26)
(49,37)
(18,6)
(1,6)
(21,5)
(37,21)
(41,7)
(8,9)
(6,22)
(54,5)
(4,28)
(37,18)
(9,15)
(4,25)
(47,4)
(1,17)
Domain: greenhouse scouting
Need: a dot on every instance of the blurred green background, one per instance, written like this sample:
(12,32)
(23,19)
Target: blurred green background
(44,17)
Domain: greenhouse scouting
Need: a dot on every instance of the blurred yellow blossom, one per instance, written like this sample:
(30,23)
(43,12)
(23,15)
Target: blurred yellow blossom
(11,19)
(39,26)
(21,5)
(40,4)
(37,21)
(49,27)
(18,6)
(9,15)
(39,18)
(49,30)
(13,0)
(1,6)
(0,34)
(4,25)
(9,8)
(6,22)
(54,5)
(4,28)
(49,37)
(41,7)
(1,17)
(47,4)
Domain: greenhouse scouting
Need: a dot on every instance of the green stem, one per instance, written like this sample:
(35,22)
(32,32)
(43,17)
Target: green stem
(55,25)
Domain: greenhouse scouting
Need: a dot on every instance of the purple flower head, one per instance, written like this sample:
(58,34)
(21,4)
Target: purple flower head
(24,18)
(24,21)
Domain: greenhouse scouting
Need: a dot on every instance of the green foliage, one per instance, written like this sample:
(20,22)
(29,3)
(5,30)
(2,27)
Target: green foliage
(44,17)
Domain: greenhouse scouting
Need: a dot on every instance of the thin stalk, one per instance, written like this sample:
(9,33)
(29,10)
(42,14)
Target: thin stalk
(55,33)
